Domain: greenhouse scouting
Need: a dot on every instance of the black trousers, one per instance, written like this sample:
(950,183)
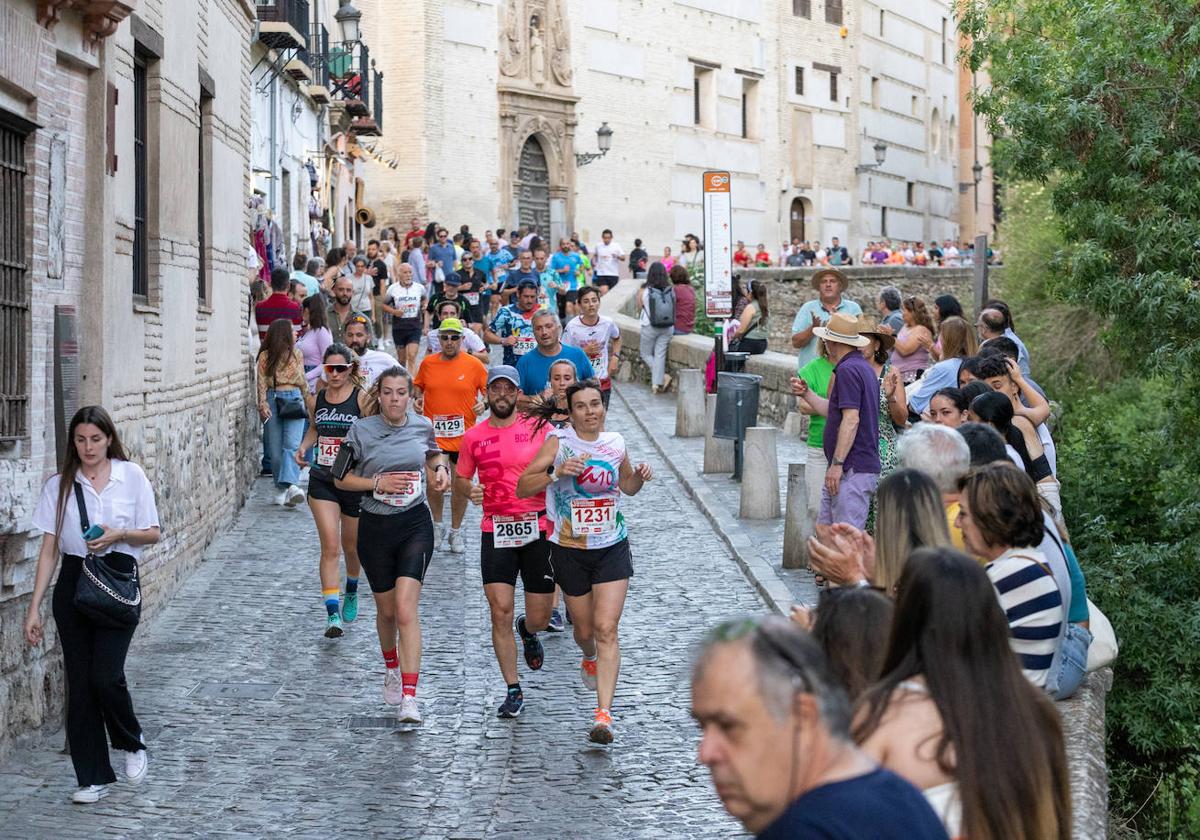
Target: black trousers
(97,697)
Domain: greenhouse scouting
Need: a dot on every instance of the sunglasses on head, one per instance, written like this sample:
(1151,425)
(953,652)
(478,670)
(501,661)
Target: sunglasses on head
(337,367)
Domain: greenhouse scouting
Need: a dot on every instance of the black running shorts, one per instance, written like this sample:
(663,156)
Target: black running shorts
(532,562)
(404,334)
(395,546)
(578,569)
(326,491)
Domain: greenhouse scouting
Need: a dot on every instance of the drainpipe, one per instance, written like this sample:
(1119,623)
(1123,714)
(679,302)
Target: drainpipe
(274,139)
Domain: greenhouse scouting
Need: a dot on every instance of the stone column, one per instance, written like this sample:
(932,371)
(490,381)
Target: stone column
(797,526)
(689,405)
(718,452)
(760,474)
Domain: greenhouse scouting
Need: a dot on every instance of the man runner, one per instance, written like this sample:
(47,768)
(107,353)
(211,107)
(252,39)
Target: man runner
(403,300)
(534,367)
(514,530)
(448,389)
(371,363)
(513,325)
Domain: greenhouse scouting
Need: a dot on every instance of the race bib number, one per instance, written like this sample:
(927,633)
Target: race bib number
(524,344)
(472,298)
(327,450)
(514,531)
(409,309)
(599,366)
(449,425)
(411,492)
(593,517)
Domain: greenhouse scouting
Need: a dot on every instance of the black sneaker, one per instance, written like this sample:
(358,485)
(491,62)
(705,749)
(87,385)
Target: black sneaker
(512,705)
(534,652)
(556,624)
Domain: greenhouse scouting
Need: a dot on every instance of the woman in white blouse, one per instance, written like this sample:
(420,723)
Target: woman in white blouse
(120,500)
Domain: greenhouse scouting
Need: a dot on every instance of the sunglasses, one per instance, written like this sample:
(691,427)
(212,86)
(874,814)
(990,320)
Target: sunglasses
(337,368)
(450,337)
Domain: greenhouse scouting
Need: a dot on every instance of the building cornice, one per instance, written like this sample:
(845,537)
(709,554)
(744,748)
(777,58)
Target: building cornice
(100,17)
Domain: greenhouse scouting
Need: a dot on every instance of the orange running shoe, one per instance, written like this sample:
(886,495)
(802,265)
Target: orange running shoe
(602,732)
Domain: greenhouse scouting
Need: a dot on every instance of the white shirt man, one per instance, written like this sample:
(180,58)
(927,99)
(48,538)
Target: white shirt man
(606,261)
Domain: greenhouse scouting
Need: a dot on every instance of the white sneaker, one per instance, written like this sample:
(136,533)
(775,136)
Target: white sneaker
(457,544)
(393,687)
(88,795)
(281,499)
(409,712)
(293,495)
(439,537)
(135,766)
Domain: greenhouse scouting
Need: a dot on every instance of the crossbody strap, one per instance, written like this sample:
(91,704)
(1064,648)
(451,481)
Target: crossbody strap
(83,517)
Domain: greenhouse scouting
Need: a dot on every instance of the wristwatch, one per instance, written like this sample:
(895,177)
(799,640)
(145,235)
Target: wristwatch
(837,462)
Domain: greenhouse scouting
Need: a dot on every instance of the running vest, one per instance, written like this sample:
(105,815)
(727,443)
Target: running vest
(333,422)
(586,509)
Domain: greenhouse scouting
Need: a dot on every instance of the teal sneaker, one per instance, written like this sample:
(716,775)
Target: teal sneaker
(350,607)
(333,627)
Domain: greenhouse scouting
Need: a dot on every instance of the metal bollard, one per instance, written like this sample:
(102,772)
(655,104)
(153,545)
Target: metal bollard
(718,452)
(689,405)
(797,526)
(760,480)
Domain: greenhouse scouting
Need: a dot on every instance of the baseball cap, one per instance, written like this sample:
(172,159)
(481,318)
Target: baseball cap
(450,325)
(452,279)
(503,372)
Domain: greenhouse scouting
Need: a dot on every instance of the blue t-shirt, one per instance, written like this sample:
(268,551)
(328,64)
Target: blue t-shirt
(571,262)
(878,805)
(446,254)
(534,367)
(942,375)
(855,386)
(804,320)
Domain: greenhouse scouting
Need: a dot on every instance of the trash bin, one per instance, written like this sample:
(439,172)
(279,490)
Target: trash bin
(735,361)
(737,404)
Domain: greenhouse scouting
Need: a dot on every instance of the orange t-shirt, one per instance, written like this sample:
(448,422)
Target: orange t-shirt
(451,387)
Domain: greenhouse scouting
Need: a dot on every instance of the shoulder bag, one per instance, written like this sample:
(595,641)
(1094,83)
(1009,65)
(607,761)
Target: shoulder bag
(108,591)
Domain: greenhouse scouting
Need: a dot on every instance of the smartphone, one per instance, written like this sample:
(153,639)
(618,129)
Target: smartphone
(92,533)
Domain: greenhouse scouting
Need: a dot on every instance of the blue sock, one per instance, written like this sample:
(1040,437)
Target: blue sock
(331,601)
(351,585)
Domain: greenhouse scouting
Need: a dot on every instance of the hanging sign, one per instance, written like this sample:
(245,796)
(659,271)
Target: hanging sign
(718,245)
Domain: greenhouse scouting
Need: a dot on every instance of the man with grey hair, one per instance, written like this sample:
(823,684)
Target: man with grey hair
(888,304)
(534,366)
(775,734)
(942,454)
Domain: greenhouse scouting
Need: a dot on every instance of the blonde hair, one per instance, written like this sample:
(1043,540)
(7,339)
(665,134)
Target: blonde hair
(958,339)
(908,515)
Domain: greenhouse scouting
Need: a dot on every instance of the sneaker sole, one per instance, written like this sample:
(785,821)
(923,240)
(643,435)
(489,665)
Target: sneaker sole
(600,735)
(88,801)
(409,719)
(510,715)
(334,632)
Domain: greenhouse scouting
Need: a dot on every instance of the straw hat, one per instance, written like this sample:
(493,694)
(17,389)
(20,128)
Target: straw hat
(844,330)
(870,327)
(818,276)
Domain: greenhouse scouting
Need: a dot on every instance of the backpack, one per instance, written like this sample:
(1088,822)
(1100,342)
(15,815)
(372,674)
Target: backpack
(660,306)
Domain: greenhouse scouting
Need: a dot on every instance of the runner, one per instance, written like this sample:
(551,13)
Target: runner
(565,264)
(372,363)
(335,511)
(472,343)
(562,377)
(513,325)
(598,336)
(471,282)
(548,285)
(514,530)
(395,531)
(534,367)
(403,300)
(448,391)
(450,293)
(609,256)
(585,470)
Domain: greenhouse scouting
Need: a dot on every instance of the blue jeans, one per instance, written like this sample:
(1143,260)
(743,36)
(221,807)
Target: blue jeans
(1072,667)
(281,438)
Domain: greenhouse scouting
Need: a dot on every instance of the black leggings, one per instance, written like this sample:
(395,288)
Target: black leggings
(97,697)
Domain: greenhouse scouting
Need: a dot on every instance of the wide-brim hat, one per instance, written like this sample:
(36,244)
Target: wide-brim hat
(870,327)
(844,330)
(820,275)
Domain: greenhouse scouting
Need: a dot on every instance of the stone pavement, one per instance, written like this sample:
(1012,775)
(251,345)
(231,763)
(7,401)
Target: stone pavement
(757,544)
(313,751)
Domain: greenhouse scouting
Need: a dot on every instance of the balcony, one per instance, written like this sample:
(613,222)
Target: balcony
(349,67)
(283,25)
(372,124)
(318,86)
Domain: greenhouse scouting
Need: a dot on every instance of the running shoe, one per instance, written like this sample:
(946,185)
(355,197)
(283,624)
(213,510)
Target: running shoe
(409,712)
(587,670)
(457,544)
(439,537)
(602,731)
(393,687)
(135,766)
(556,622)
(512,705)
(333,627)
(350,607)
(88,795)
(534,652)
(293,496)
(281,497)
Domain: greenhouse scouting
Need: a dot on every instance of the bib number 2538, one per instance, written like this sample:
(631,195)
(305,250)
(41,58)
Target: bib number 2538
(593,517)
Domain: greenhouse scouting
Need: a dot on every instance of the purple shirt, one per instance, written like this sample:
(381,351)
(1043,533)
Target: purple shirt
(855,385)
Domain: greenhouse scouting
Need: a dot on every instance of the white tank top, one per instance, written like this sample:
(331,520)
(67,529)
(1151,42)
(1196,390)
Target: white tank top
(586,510)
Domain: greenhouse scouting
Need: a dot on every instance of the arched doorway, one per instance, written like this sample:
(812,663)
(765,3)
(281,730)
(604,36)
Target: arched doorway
(797,216)
(533,186)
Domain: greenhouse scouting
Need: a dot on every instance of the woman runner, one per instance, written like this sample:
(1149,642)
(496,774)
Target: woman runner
(335,511)
(584,470)
(395,527)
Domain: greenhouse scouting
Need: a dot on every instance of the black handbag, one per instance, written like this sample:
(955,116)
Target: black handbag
(108,591)
(291,409)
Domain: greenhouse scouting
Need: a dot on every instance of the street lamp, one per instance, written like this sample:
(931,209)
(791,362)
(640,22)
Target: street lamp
(603,141)
(880,154)
(348,19)
(977,174)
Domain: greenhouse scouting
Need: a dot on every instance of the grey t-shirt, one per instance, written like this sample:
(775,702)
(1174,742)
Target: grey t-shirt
(385,448)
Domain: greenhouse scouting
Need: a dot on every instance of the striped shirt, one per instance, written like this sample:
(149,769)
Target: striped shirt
(1033,606)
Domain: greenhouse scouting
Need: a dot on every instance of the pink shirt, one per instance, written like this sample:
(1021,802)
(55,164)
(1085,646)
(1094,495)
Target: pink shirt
(500,456)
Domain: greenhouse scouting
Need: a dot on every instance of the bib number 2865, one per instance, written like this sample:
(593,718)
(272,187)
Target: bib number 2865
(514,531)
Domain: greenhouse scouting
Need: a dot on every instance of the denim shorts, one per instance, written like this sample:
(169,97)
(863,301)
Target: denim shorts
(1072,666)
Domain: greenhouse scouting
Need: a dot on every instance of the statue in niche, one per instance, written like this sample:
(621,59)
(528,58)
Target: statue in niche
(560,45)
(510,45)
(537,53)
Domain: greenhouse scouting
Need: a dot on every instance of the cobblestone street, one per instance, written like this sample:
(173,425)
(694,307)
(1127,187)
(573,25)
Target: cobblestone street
(312,750)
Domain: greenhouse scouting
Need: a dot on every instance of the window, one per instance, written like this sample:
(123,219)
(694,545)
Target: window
(833,96)
(696,99)
(704,96)
(141,269)
(14,302)
(833,11)
(750,108)
(910,192)
(799,83)
(935,132)
(883,222)
(874,92)
(202,181)
(916,106)
(802,8)
(943,40)
(881,23)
